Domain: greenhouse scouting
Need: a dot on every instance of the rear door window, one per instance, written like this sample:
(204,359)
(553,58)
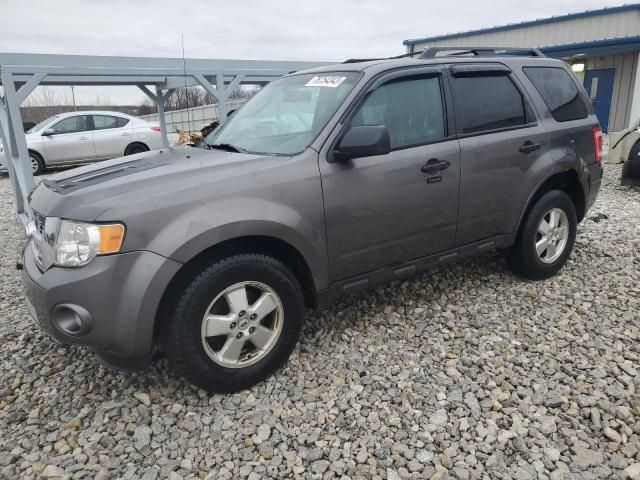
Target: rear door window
(488,102)
(411,109)
(559,92)
(103,122)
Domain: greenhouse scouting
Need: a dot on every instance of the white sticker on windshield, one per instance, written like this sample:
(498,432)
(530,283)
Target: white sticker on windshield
(331,81)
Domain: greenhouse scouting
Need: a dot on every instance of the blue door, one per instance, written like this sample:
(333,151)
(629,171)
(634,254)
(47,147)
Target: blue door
(599,86)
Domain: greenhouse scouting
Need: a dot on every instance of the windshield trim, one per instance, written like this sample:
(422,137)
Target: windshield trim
(357,75)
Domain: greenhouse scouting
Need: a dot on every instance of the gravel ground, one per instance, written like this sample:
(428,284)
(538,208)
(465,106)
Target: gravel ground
(468,372)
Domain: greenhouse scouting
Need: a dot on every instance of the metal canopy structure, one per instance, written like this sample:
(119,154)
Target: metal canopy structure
(20,73)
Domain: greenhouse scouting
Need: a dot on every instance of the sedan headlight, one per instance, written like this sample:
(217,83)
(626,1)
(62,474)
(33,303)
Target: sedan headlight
(77,243)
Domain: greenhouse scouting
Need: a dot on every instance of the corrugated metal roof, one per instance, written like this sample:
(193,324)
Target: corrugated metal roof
(606,46)
(530,23)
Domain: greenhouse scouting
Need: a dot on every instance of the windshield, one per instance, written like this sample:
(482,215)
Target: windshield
(285,116)
(41,124)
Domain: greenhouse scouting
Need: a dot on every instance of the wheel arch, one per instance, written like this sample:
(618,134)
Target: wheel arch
(568,181)
(135,143)
(274,247)
(37,153)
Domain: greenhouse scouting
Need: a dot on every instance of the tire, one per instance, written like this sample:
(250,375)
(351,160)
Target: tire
(37,165)
(135,148)
(524,258)
(198,349)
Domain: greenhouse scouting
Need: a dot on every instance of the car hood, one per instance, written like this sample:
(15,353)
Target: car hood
(99,190)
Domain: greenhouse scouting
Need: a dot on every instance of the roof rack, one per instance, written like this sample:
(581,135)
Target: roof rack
(360,60)
(433,52)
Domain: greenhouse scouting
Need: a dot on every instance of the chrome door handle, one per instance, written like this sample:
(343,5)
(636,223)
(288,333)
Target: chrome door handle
(125,134)
(83,138)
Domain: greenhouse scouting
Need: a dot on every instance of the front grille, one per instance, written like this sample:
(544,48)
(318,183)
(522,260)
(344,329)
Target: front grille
(39,220)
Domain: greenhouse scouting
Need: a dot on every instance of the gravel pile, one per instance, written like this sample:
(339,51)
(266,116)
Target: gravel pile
(466,373)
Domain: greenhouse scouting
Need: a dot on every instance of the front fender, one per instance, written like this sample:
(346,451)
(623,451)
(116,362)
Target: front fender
(208,225)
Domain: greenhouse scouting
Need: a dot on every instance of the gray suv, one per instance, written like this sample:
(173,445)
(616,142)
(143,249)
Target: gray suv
(327,182)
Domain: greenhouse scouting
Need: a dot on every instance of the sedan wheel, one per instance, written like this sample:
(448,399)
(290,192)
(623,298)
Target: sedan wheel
(36,167)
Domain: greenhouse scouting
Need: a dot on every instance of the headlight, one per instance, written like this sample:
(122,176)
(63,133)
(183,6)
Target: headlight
(77,243)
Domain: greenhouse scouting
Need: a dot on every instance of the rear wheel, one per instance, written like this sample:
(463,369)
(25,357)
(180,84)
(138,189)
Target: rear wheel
(546,237)
(235,323)
(136,148)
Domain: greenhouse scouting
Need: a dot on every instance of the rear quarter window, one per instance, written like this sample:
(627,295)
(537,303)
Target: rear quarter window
(122,121)
(559,92)
(490,102)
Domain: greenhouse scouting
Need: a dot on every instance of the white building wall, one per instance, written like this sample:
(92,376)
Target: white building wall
(607,25)
(634,109)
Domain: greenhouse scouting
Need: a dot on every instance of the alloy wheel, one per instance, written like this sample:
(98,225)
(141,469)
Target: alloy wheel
(552,235)
(242,324)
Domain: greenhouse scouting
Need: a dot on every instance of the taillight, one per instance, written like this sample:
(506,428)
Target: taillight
(597,143)
(156,129)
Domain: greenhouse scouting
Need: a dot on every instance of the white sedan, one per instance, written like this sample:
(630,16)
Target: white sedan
(82,137)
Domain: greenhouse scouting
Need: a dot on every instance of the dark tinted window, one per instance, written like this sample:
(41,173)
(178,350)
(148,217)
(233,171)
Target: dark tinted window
(559,92)
(122,121)
(74,124)
(488,103)
(411,109)
(102,122)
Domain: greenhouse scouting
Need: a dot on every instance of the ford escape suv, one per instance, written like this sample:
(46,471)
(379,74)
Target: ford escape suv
(328,181)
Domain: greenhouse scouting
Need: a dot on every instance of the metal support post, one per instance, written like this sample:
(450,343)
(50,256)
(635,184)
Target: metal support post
(18,152)
(159,99)
(220,93)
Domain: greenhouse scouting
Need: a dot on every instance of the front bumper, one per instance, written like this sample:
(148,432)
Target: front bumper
(119,293)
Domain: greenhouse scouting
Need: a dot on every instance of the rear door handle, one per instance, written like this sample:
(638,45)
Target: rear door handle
(529,147)
(83,138)
(434,165)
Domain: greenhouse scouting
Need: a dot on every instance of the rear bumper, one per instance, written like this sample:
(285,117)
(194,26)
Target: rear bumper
(108,305)
(595,181)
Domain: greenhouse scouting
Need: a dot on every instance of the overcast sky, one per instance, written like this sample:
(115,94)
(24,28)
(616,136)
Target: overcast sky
(330,30)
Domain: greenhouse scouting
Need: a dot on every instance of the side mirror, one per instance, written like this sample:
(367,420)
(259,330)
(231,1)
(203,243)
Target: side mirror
(48,132)
(365,141)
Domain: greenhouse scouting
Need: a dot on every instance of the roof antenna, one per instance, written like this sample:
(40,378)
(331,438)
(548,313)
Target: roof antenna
(186,89)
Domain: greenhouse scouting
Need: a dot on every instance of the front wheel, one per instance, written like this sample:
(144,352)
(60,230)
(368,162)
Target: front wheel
(546,237)
(235,323)
(37,165)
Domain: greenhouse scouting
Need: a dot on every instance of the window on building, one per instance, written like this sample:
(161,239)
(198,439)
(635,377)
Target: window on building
(559,92)
(488,103)
(410,108)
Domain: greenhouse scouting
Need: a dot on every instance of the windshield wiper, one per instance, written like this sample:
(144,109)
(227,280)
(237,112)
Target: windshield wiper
(226,147)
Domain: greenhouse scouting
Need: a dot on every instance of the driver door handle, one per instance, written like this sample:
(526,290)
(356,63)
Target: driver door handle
(529,147)
(83,138)
(434,165)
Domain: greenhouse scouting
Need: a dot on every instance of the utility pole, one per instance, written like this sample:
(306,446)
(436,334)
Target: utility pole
(73,95)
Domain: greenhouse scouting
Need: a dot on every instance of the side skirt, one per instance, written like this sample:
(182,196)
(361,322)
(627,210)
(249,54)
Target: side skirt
(408,269)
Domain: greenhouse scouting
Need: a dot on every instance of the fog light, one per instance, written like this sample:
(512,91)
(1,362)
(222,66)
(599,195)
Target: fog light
(71,319)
